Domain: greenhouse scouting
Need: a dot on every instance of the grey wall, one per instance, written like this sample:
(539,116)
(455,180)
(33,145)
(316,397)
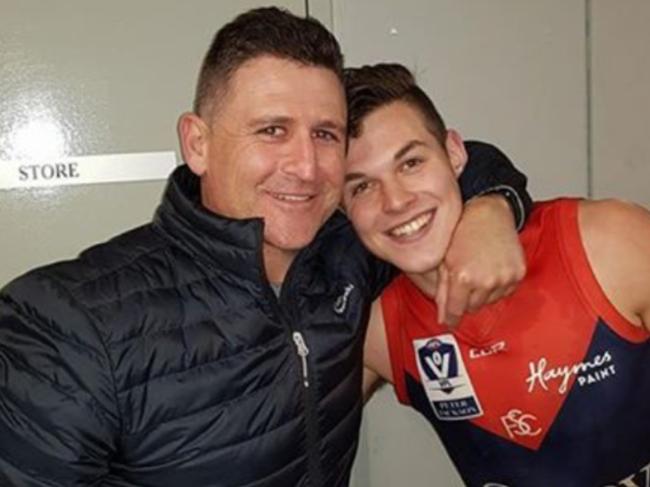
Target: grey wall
(620,96)
(508,71)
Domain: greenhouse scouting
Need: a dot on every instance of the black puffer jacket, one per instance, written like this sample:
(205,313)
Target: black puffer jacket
(163,358)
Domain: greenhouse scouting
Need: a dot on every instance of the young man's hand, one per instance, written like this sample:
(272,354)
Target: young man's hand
(485,260)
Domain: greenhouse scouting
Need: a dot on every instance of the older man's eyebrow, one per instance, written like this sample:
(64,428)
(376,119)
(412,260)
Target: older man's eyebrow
(332,124)
(269,120)
(407,147)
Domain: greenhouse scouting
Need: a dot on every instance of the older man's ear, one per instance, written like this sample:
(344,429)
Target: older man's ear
(193,135)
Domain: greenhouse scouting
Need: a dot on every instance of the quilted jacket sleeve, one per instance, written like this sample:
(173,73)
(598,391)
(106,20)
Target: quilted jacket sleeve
(58,417)
(490,170)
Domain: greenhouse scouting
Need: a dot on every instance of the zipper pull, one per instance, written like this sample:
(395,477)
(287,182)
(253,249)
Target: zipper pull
(303,351)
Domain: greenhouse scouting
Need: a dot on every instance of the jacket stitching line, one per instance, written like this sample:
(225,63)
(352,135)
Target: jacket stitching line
(45,427)
(105,349)
(219,405)
(221,360)
(115,270)
(71,394)
(57,331)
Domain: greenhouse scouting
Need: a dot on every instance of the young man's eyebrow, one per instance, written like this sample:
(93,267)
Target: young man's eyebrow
(352,176)
(409,145)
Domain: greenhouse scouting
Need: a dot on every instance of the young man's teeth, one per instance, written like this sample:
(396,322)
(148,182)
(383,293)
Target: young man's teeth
(291,197)
(411,227)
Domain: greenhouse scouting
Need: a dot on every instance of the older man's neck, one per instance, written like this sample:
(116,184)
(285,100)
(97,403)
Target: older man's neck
(277,263)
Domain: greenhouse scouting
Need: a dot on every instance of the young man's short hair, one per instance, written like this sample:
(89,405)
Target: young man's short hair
(371,87)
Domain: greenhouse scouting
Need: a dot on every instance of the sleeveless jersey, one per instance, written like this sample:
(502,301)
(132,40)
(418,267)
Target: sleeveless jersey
(549,387)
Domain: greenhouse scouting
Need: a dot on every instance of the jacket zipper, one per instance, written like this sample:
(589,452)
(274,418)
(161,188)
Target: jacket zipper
(303,351)
(311,422)
(311,418)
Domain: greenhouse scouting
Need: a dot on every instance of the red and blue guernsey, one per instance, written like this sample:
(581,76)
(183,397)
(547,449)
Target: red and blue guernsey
(547,388)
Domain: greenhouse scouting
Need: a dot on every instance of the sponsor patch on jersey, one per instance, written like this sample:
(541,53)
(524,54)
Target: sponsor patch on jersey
(493,349)
(445,379)
(591,371)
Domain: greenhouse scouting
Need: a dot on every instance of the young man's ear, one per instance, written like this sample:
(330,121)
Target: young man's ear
(456,151)
(193,135)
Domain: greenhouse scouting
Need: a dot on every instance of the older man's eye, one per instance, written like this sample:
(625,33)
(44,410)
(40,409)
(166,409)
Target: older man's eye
(271,131)
(326,135)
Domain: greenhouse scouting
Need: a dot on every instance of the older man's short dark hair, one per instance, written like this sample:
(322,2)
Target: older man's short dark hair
(258,32)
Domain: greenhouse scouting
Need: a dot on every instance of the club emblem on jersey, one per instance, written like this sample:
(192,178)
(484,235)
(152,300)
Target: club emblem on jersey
(445,379)
(518,423)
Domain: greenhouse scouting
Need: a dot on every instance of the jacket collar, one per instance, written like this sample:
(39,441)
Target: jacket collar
(214,240)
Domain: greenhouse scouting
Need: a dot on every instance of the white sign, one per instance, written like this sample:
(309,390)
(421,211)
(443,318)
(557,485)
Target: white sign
(108,168)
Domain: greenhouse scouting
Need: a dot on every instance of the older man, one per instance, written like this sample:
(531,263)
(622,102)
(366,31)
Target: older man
(222,343)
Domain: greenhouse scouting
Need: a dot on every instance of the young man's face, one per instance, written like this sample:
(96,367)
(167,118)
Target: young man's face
(401,192)
(275,148)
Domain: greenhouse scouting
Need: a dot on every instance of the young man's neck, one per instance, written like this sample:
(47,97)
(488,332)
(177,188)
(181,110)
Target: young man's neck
(427,282)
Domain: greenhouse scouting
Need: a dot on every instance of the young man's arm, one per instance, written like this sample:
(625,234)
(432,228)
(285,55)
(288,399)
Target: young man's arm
(616,237)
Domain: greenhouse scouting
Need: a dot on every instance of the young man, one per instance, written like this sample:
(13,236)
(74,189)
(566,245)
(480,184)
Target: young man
(169,356)
(547,387)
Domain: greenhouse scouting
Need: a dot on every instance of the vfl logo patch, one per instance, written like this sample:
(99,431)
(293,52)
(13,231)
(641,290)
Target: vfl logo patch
(342,301)
(518,423)
(444,378)
(439,363)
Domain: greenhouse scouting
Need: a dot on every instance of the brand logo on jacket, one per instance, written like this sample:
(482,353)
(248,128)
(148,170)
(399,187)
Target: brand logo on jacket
(342,301)
(588,372)
(445,379)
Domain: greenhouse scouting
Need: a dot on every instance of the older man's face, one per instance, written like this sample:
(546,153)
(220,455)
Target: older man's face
(276,150)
